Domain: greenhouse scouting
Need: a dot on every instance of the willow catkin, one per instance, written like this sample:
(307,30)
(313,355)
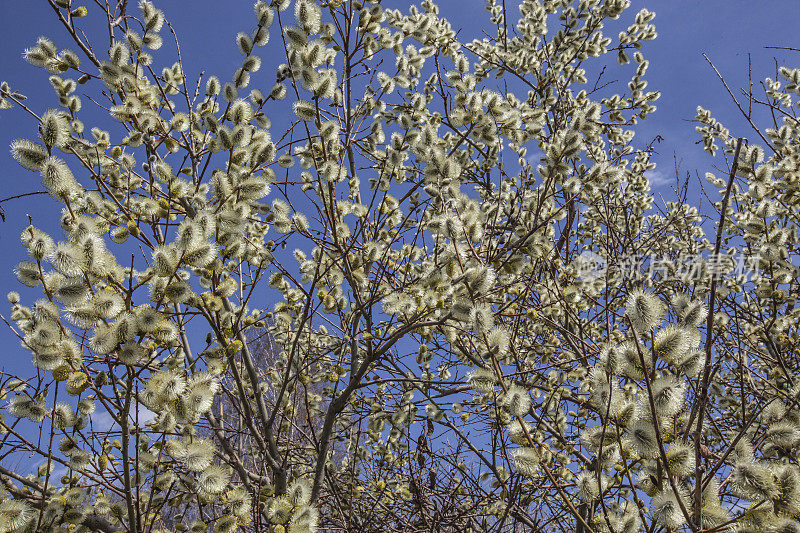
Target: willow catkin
(672,343)
(668,510)
(587,486)
(57,178)
(54,129)
(29,154)
(304,520)
(642,438)
(308,15)
(482,380)
(17,514)
(517,400)
(198,454)
(63,416)
(213,480)
(526,461)
(305,110)
(644,310)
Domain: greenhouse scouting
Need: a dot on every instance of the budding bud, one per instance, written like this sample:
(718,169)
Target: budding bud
(234,347)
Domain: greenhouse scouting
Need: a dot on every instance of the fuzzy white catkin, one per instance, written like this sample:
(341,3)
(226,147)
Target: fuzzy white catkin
(278,91)
(482,380)
(214,479)
(587,486)
(197,455)
(154,18)
(304,520)
(300,222)
(671,343)
(244,42)
(264,14)
(17,514)
(668,510)
(642,437)
(644,310)
(54,129)
(299,492)
(28,273)
(70,291)
(668,393)
(308,15)
(304,110)
(29,154)
(63,416)
(517,400)
(526,461)
(694,314)
(39,244)
(296,37)
(57,178)
(680,458)
(68,260)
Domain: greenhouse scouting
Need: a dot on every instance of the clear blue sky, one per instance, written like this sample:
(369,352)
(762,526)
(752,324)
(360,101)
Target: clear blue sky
(727,30)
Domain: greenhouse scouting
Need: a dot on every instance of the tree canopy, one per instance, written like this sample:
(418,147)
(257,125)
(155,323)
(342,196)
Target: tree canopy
(414,283)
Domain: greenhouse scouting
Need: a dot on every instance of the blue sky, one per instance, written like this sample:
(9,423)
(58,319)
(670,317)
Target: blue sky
(726,30)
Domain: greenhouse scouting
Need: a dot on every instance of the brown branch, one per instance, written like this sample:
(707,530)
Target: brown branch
(703,386)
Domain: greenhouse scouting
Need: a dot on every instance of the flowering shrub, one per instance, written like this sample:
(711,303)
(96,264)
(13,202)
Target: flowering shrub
(434,360)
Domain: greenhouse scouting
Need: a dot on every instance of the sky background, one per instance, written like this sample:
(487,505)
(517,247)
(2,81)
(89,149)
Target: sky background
(726,30)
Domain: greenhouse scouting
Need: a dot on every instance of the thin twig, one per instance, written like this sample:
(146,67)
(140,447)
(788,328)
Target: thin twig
(738,105)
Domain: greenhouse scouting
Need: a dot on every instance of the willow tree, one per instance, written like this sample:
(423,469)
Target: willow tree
(434,325)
